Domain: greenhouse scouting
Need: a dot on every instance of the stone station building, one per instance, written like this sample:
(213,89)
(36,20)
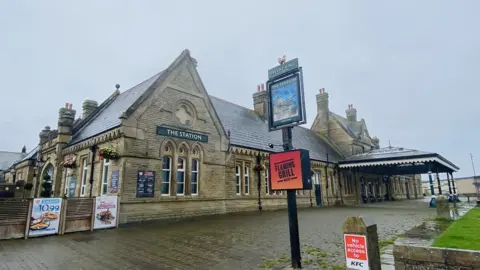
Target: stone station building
(204,152)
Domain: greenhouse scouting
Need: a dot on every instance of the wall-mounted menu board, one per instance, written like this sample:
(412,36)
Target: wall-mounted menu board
(145,184)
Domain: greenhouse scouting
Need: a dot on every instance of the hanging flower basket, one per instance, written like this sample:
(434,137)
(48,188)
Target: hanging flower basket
(259,167)
(108,152)
(69,161)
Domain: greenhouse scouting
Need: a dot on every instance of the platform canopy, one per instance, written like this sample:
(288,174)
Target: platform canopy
(398,161)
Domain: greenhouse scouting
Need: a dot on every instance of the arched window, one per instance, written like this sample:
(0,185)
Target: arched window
(49,171)
(167,151)
(181,176)
(181,168)
(195,170)
(194,177)
(166,175)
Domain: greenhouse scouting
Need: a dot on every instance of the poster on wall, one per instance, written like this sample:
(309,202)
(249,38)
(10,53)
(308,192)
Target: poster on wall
(105,212)
(145,184)
(45,216)
(114,182)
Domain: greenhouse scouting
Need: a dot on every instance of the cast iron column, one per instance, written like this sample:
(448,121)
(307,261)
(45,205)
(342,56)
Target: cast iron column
(453,184)
(432,190)
(292,207)
(439,185)
(449,185)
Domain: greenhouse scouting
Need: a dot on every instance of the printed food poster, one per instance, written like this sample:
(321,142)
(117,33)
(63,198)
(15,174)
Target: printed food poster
(45,218)
(105,212)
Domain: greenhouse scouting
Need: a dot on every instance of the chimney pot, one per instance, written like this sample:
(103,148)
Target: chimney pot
(263,87)
(88,107)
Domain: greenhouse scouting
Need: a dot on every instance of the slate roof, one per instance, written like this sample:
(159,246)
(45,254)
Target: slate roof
(31,155)
(109,116)
(389,153)
(248,130)
(7,159)
(353,129)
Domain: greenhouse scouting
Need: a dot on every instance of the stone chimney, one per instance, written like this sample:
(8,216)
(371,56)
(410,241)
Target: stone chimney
(323,112)
(376,141)
(88,107)
(66,117)
(260,101)
(351,114)
(44,135)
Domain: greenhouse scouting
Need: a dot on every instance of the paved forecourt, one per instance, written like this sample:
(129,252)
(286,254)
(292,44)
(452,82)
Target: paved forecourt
(235,241)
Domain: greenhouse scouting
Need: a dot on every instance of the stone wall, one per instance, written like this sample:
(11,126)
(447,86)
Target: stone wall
(430,258)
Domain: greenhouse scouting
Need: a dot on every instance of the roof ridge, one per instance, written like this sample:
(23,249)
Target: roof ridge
(131,88)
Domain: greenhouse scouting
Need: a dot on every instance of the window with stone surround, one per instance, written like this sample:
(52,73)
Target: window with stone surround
(67,180)
(238,180)
(106,165)
(166,175)
(181,176)
(266,175)
(83,186)
(194,177)
(246,183)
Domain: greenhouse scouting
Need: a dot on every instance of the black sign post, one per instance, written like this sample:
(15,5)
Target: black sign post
(286,109)
(292,208)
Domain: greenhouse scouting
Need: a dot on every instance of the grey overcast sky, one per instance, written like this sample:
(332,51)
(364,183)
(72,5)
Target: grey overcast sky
(410,68)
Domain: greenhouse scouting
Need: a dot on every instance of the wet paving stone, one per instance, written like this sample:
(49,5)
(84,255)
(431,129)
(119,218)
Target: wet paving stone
(234,241)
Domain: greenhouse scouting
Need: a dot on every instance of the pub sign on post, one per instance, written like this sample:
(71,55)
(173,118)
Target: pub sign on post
(290,170)
(356,251)
(286,103)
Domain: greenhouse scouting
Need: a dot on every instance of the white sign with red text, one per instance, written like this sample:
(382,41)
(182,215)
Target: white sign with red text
(105,212)
(356,251)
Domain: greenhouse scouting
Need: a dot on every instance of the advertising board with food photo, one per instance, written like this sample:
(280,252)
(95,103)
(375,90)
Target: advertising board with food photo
(105,212)
(45,218)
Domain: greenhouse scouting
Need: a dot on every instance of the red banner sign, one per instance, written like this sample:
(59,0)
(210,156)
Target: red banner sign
(289,170)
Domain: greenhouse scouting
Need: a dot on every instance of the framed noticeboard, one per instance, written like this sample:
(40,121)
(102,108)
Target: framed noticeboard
(290,170)
(145,184)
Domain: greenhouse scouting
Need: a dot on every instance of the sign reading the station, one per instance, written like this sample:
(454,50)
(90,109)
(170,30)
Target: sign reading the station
(356,251)
(290,170)
(182,134)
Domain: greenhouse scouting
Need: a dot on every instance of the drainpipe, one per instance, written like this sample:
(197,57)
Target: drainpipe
(259,182)
(92,166)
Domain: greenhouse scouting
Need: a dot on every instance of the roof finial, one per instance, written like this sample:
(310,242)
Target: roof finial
(117,86)
(282,60)
(389,145)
